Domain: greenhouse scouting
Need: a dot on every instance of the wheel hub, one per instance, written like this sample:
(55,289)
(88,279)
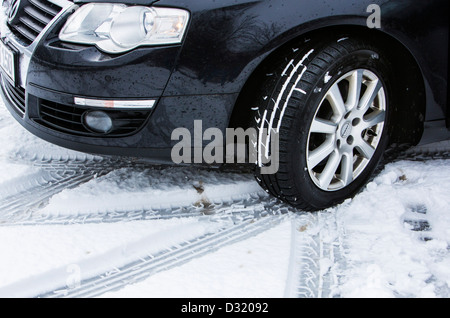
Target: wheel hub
(346,129)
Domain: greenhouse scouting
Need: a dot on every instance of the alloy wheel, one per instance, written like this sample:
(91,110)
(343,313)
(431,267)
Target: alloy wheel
(346,129)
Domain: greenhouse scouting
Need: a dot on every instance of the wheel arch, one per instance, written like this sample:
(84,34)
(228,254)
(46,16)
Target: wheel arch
(409,107)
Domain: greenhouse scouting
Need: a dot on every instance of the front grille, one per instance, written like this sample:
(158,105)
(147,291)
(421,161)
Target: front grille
(34,17)
(16,95)
(69,119)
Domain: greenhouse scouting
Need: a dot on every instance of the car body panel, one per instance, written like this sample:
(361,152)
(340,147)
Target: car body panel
(202,78)
(244,32)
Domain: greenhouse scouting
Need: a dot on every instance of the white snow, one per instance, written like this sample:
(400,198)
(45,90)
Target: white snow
(385,258)
(35,251)
(382,255)
(255,268)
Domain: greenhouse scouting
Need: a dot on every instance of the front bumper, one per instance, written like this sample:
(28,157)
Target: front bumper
(151,142)
(51,74)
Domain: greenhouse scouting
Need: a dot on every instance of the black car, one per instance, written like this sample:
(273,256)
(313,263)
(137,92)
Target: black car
(318,90)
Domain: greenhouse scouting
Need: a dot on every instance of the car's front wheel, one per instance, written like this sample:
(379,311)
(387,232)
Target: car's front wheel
(328,104)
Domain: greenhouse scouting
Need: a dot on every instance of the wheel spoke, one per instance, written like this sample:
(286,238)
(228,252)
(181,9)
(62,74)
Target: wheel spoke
(317,155)
(369,96)
(323,126)
(364,148)
(354,90)
(334,96)
(374,119)
(347,169)
(329,171)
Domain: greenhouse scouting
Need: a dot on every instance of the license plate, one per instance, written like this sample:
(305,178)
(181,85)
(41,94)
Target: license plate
(7,61)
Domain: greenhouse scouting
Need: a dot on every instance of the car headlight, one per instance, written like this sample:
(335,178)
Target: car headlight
(117,28)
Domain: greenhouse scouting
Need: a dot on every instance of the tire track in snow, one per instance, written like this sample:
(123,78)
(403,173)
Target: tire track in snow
(28,193)
(42,186)
(58,172)
(242,219)
(228,207)
(317,249)
(167,259)
(315,259)
(233,224)
(433,151)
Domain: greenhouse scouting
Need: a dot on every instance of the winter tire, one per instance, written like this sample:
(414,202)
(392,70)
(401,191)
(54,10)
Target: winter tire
(328,105)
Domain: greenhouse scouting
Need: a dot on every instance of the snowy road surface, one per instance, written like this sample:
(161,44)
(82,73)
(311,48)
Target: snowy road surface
(75,225)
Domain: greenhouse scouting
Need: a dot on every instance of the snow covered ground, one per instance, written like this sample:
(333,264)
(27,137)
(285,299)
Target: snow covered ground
(391,240)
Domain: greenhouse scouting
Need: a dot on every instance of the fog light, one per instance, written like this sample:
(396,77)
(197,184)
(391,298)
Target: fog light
(98,121)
